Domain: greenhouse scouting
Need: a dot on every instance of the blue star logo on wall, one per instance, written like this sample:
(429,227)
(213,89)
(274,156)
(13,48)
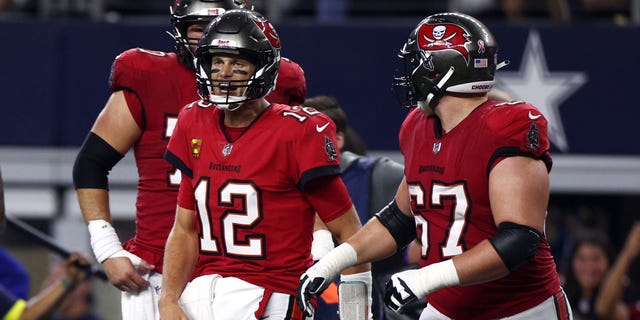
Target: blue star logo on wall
(545,90)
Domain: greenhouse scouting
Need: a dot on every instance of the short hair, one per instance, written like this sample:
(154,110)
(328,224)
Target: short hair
(329,106)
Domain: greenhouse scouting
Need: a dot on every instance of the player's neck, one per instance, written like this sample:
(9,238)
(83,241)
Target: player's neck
(243,116)
(452,110)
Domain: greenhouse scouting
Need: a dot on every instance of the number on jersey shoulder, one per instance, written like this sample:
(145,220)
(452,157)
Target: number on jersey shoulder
(153,52)
(300,113)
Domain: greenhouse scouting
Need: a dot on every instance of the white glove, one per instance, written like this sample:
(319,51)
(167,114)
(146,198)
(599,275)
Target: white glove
(408,286)
(320,275)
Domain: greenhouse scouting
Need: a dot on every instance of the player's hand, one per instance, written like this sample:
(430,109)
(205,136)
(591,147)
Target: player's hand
(320,275)
(312,282)
(171,311)
(408,286)
(399,291)
(125,271)
(632,245)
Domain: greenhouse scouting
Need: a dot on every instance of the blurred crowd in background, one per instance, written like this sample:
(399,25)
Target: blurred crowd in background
(620,12)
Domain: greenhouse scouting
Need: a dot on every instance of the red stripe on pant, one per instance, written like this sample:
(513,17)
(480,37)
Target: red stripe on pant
(562,308)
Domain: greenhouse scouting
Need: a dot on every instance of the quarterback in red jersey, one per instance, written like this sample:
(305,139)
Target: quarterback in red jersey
(475,191)
(254,174)
(149,88)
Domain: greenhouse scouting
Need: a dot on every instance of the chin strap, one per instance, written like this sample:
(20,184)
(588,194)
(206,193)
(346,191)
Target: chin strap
(502,64)
(436,91)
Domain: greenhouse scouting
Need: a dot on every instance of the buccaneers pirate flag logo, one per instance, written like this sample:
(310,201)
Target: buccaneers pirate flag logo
(444,36)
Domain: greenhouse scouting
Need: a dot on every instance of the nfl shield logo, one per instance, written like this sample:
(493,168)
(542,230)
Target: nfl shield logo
(226,150)
(436,147)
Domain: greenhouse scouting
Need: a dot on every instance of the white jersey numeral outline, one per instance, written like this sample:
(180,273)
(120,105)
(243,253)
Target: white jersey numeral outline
(251,246)
(174,175)
(441,194)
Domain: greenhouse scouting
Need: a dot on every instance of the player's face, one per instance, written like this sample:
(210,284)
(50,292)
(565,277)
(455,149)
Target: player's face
(230,75)
(590,265)
(194,33)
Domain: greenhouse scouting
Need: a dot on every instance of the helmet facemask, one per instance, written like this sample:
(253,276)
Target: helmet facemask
(233,37)
(227,98)
(421,85)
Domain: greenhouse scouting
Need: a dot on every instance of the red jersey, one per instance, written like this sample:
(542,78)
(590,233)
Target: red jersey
(156,86)
(253,218)
(448,175)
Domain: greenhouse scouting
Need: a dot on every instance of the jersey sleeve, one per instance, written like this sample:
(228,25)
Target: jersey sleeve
(329,197)
(130,72)
(519,130)
(186,197)
(315,150)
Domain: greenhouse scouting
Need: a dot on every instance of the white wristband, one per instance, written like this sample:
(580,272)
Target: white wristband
(104,240)
(340,258)
(322,244)
(436,276)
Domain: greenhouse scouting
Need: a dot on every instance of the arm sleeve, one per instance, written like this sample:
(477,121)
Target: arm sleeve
(126,75)
(315,151)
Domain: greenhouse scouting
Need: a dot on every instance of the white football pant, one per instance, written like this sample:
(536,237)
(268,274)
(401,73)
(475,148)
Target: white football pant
(549,309)
(143,305)
(213,297)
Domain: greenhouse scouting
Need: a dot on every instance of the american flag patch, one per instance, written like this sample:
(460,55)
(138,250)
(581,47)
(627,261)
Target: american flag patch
(480,63)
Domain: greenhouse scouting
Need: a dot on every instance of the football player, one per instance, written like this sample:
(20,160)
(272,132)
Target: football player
(475,191)
(148,89)
(253,175)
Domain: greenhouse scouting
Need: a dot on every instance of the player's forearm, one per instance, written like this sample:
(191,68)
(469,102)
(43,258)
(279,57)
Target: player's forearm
(373,242)
(181,253)
(345,226)
(94,204)
(45,302)
(480,264)
(612,287)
